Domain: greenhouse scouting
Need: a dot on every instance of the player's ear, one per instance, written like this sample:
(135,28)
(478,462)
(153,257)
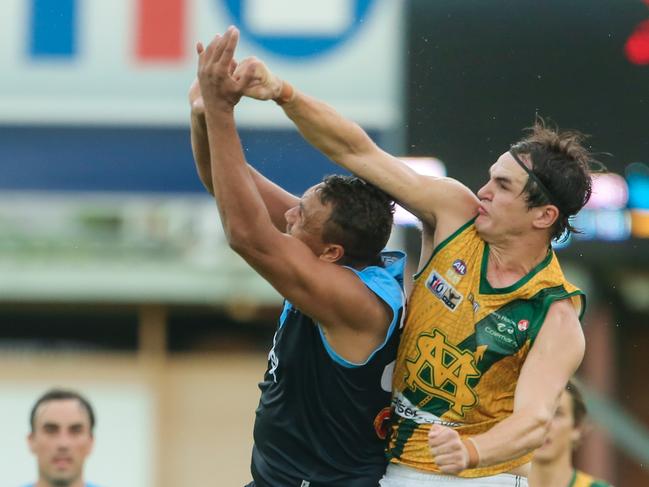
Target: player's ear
(332,253)
(545,216)
(30,442)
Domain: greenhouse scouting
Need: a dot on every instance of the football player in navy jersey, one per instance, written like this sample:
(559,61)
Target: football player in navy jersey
(326,393)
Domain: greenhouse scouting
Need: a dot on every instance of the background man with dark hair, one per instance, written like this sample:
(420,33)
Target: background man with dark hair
(326,392)
(61,438)
(492,332)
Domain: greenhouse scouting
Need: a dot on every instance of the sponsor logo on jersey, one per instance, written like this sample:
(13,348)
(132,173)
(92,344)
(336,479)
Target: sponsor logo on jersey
(404,408)
(503,318)
(501,333)
(444,291)
(502,328)
(442,370)
(523,325)
(460,267)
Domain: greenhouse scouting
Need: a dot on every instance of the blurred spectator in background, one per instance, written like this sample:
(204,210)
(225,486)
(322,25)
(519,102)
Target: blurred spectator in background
(552,464)
(61,438)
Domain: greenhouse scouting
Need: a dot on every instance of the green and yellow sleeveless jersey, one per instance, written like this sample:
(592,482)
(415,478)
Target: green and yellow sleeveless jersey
(580,479)
(463,347)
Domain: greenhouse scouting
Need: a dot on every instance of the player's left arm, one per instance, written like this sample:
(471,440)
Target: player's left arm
(552,360)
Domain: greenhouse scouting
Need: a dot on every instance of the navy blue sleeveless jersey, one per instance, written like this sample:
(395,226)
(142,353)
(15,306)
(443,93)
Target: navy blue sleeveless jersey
(321,420)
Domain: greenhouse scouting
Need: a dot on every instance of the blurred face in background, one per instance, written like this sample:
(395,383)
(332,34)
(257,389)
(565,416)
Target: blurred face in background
(61,440)
(562,435)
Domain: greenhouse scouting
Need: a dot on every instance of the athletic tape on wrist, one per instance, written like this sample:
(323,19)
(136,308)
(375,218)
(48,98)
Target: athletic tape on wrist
(286,94)
(472,450)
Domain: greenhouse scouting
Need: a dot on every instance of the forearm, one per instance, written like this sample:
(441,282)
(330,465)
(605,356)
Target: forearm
(276,199)
(513,437)
(331,133)
(242,210)
(348,145)
(201,150)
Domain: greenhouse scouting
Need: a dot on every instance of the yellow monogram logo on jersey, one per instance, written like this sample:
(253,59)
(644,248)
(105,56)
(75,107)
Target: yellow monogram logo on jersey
(442,370)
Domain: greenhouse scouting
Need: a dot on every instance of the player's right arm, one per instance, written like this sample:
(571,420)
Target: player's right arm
(353,318)
(441,203)
(277,200)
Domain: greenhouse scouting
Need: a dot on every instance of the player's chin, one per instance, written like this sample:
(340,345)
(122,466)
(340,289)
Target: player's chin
(482,223)
(62,478)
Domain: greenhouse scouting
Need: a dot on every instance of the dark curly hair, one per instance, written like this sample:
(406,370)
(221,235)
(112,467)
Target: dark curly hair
(564,166)
(360,220)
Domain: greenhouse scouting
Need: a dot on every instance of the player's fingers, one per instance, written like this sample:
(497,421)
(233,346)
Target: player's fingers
(227,54)
(434,432)
(442,449)
(251,64)
(215,48)
(220,46)
(246,76)
(199,48)
(449,463)
(242,66)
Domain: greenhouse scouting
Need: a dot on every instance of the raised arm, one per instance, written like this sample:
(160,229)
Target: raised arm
(277,200)
(552,360)
(442,203)
(329,293)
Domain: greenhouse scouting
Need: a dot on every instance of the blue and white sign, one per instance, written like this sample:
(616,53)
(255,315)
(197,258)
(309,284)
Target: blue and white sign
(306,29)
(132,61)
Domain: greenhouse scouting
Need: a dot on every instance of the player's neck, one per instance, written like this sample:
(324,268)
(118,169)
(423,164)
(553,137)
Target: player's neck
(510,261)
(557,473)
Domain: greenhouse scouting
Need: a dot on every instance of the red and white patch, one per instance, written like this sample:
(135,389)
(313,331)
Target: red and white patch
(523,325)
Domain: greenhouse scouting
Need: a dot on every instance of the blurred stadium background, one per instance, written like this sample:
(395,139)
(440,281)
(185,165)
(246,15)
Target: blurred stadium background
(114,275)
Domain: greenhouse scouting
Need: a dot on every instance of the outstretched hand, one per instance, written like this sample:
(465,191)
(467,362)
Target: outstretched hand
(261,83)
(218,84)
